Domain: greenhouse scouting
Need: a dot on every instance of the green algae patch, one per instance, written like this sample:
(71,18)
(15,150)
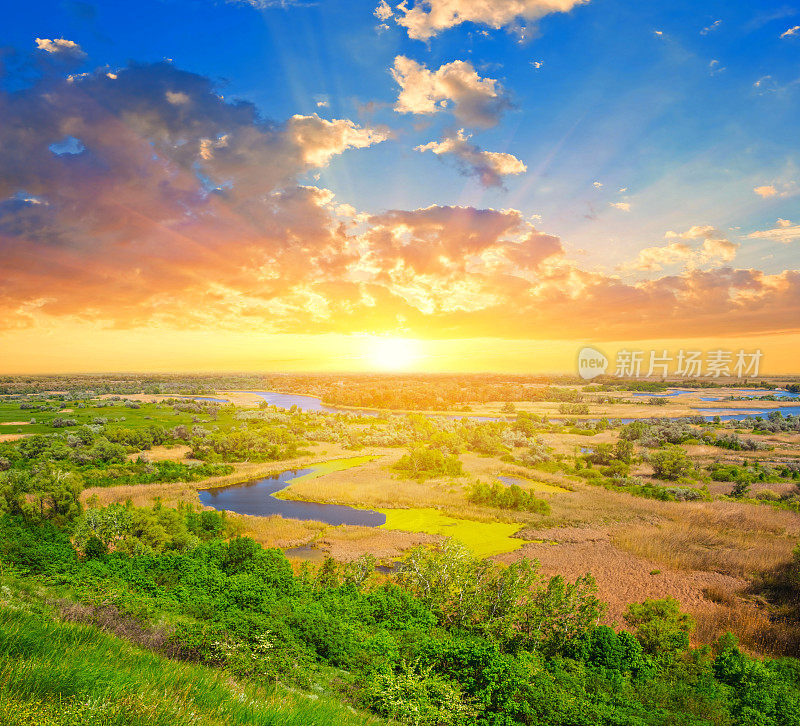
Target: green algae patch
(328,467)
(483,538)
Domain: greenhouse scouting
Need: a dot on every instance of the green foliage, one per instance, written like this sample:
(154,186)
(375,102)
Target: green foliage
(124,528)
(453,639)
(255,443)
(47,495)
(509,604)
(660,626)
(423,462)
(670,462)
(144,472)
(418,696)
(507,497)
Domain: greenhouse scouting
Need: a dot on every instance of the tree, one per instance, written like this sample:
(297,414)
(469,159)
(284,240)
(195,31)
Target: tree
(510,604)
(670,462)
(660,626)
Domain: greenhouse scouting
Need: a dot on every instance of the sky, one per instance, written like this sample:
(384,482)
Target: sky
(441,185)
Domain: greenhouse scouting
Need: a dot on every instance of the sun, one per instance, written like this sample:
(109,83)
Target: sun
(393,354)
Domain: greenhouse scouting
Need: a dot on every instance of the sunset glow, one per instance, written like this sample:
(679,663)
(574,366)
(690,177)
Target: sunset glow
(393,354)
(473,173)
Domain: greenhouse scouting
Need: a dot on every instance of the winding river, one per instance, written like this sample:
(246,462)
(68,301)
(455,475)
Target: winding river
(258,499)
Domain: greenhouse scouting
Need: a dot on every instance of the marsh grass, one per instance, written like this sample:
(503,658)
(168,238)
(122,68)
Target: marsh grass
(61,674)
(740,540)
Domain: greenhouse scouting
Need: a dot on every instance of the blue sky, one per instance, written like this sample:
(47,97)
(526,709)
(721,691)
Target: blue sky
(639,125)
(613,102)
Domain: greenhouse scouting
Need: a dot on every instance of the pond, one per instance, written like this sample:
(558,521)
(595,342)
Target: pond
(303,402)
(257,499)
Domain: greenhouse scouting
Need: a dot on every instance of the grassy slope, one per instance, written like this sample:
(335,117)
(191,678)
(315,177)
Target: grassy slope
(60,674)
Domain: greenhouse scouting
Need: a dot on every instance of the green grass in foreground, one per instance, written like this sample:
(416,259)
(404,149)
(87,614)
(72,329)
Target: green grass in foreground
(483,538)
(60,674)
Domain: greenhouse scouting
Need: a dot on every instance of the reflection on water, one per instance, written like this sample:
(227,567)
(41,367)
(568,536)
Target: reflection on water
(256,498)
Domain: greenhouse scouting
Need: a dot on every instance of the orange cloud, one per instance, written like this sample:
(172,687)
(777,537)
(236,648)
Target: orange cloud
(131,208)
(426,19)
(489,166)
(476,101)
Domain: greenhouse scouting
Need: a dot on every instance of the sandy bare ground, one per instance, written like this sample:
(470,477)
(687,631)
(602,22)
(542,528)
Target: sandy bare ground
(15,423)
(12,437)
(162,453)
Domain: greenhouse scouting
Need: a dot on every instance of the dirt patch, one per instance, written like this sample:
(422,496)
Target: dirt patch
(15,423)
(622,578)
(12,437)
(162,453)
(349,543)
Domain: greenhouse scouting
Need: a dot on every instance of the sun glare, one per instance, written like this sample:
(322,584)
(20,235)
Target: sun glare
(393,354)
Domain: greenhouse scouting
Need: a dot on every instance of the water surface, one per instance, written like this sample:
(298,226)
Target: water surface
(257,499)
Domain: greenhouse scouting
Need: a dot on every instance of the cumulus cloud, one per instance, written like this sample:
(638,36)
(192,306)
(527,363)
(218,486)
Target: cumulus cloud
(427,18)
(623,206)
(60,47)
(320,140)
(784,189)
(151,207)
(697,246)
(192,215)
(383,12)
(783,231)
(489,166)
(475,101)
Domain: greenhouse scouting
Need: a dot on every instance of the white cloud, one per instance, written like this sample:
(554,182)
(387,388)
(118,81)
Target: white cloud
(714,67)
(710,28)
(476,101)
(683,249)
(319,140)
(780,189)
(784,231)
(426,19)
(489,166)
(791,31)
(597,185)
(624,206)
(383,11)
(537,64)
(61,47)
